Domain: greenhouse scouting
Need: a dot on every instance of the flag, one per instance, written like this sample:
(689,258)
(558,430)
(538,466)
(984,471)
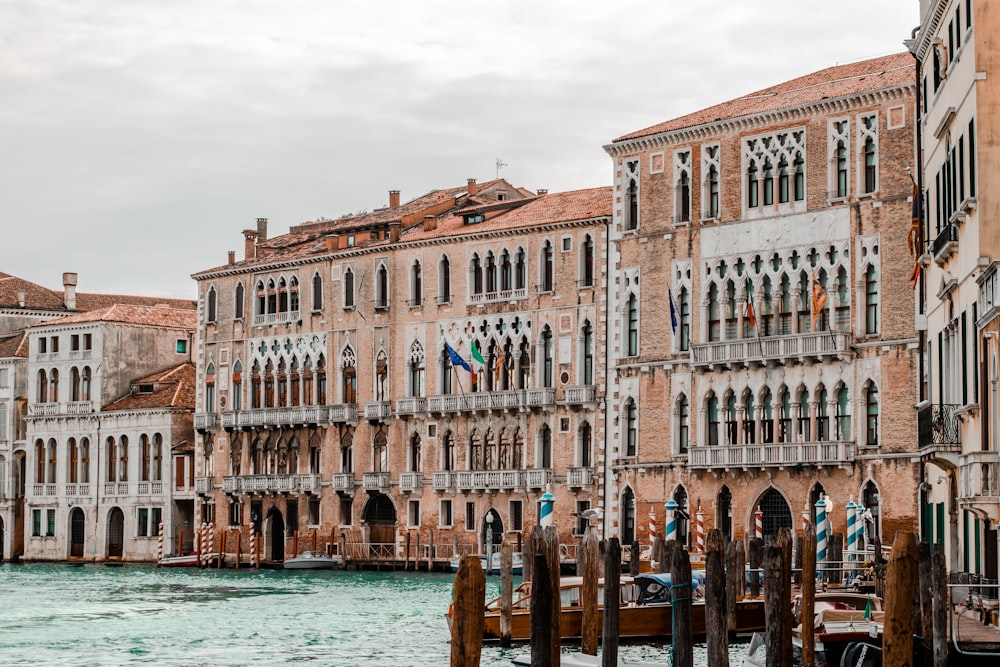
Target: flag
(499,367)
(913,239)
(751,315)
(476,354)
(457,360)
(915,276)
(673,313)
(818,298)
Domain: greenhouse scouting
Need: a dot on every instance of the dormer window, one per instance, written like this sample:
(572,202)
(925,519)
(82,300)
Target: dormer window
(474,218)
(145,389)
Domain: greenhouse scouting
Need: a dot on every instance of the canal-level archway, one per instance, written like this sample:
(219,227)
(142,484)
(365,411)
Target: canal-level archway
(274,535)
(492,531)
(116,533)
(776,512)
(77,532)
(627,509)
(380,517)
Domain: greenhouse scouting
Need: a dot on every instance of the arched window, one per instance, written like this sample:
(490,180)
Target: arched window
(714,314)
(54,386)
(382,287)
(712,414)
(631,427)
(545,447)
(84,477)
(444,280)
(262,298)
(347,453)
(517,462)
(767,417)
(587,261)
(210,388)
(145,458)
(684,198)
(348,288)
(349,374)
(503,461)
(413,456)
(732,425)
(293,295)
(294,384)
(548,261)
(3,421)
(445,363)
(632,205)
(491,273)
(713,192)
(123,459)
(628,516)
(587,339)
(871,415)
(798,164)
(157,469)
(50,477)
(783,193)
(753,191)
(749,432)
(871,300)
(870,165)
(85,381)
(416,284)
(586,445)
(238,302)
(381,376)
(843,415)
(785,415)
(475,451)
(520,269)
(416,369)
(380,452)
(506,272)
(237,386)
(683,415)
(805,428)
(317,291)
(111,456)
(210,307)
(476,274)
(489,450)
(547,357)
(684,305)
(74,384)
(282,306)
(272,296)
(632,326)
(768,183)
(523,365)
(841,167)
(448,452)
(39,461)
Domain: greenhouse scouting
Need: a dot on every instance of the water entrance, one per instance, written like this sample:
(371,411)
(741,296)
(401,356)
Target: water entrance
(116,533)
(77,533)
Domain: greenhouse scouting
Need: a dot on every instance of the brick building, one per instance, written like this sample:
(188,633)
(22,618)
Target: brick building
(332,394)
(762,348)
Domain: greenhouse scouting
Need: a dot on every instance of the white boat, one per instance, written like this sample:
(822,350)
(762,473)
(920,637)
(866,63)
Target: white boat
(578,659)
(190,560)
(313,560)
(517,563)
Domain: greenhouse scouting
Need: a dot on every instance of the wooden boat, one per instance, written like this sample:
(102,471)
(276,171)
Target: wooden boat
(517,563)
(190,560)
(577,659)
(645,610)
(841,618)
(313,559)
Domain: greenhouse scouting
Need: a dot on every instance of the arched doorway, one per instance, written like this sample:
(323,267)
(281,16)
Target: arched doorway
(682,516)
(492,531)
(274,535)
(77,532)
(628,516)
(725,518)
(380,517)
(776,513)
(116,533)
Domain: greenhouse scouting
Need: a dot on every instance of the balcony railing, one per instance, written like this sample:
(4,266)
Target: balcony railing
(580,395)
(269,483)
(410,481)
(343,482)
(206,420)
(489,480)
(772,455)
(376,481)
(79,407)
(289,416)
(276,318)
(978,476)
(415,405)
(153,488)
(540,398)
(310,483)
(44,409)
(491,400)
(500,295)
(784,349)
(537,478)
(116,488)
(378,410)
(443,480)
(45,490)
(578,477)
(343,413)
(78,490)
(938,425)
(203,484)
(945,244)
(230,484)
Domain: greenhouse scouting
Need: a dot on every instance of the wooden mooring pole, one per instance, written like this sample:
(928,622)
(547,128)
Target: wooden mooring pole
(681,639)
(612,596)
(470,613)
(544,638)
(754,555)
(716,609)
(784,541)
(506,592)
(551,551)
(773,600)
(589,557)
(808,593)
(941,605)
(900,594)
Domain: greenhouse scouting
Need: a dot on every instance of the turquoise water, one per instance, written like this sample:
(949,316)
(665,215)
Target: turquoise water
(97,615)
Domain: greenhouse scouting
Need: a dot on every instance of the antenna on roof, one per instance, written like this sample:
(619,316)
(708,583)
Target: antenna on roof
(500,165)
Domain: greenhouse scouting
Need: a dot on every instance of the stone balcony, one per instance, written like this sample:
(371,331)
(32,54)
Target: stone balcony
(203,485)
(67,408)
(579,477)
(376,482)
(414,405)
(486,401)
(771,455)
(73,490)
(443,480)
(41,490)
(276,318)
(410,482)
(116,489)
(939,431)
(310,483)
(489,480)
(343,483)
(204,421)
(303,415)
(537,478)
(152,488)
(771,350)
(499,296)
(378,410)
(264,484)
(582,395)
(979,483)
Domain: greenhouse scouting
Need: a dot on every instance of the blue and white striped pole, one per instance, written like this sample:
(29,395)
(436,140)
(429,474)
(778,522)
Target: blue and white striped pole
(821,536)
(852,535)
(671,508)
(545,517)
(859,529)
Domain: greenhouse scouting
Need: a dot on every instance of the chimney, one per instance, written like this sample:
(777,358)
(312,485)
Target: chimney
(393,198)
(250,244)
(21,296)
(69,291)
(430,223)
(331,242)
(542,192)
(472,188)
(261,230)
(394,230)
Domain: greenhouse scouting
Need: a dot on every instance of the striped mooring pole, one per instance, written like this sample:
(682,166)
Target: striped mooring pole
(821,536)
(852,526)
(545,517)
(652,527)
(859,527)
(700,526)
(758,523)
(671,510)
(806,516)
(159,545)
(253,545)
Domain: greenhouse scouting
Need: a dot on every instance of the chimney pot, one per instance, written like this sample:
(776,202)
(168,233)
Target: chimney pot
(331,242)
(394,230)
(21,297)
(249,244)
(430,223)
(472,188)
(542,192)
(261,230)
(232,257)
(69,290)
(393,198)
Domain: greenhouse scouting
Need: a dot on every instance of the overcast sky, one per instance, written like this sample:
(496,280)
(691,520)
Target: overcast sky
(137,139)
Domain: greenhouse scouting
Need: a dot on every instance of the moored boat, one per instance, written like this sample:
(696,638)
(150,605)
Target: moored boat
(517,563)
(577,659)
(313,559)
(840,619)
(190,560)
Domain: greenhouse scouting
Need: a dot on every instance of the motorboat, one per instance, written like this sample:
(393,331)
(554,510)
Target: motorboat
(190,560)
(517,563)
(313,559)
(840,618)
(577,659)
(645,609)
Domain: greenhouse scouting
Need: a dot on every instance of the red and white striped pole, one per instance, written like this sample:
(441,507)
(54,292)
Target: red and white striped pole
(759,522)
(700,526)
(806,517)
(159,545)
(652,527)
(201,544)
(211,542)
(253,546)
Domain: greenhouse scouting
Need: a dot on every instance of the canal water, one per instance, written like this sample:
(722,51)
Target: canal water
(98,615)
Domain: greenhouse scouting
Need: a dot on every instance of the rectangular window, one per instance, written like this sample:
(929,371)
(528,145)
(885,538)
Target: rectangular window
(581,524)
(346,511)
(43,345)
(142,522)
(444,516)
(54,344)
(470,516)
(314,511)
(74,342)
(155,518)
(413,514)
(516,515)
(182,346)
(36,523)
(965,362)
(4,378)
(88,341)
(50,529)
(235,513)
(972,157)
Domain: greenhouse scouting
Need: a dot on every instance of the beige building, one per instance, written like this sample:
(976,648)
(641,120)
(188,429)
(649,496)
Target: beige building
(415,374)
(763,350)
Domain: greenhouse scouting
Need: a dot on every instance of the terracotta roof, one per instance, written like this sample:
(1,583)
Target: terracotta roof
(830,83)
(172,388)
(14,344)
(150,316)
(88,301)
(35,296)
(552,208)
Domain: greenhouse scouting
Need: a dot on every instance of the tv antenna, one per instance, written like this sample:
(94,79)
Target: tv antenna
(500,165)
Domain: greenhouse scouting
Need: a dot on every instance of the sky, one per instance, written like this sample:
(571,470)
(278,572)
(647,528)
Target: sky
(138,139)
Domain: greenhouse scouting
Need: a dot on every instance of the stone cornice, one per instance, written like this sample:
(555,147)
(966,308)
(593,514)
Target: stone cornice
(760,121)
(388,248)
(928,29)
